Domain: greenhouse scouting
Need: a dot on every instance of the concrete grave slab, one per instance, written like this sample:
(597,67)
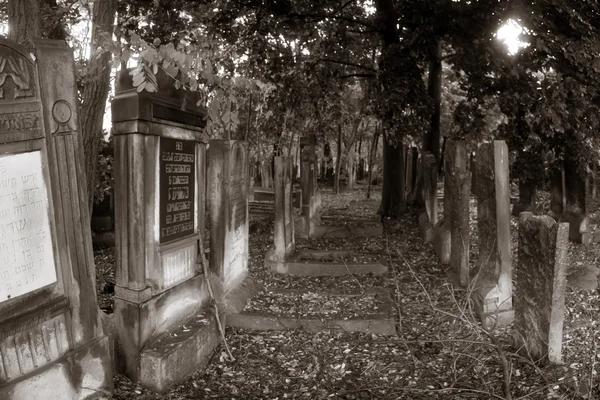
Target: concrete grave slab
(380,321)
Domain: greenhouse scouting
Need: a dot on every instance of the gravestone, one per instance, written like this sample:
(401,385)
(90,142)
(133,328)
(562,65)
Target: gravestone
(284,244)
(429,217)
(458,198)
(540,286)
(228,208)
(52,345)
(160,157)
(311,199)
(491,277)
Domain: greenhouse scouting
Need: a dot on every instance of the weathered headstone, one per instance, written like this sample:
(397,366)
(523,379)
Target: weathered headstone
(492,283)
(311,199)
(228,205)
(160,156)
(52,345)
(284,210)
(458,198)
(429,217)
(540,285)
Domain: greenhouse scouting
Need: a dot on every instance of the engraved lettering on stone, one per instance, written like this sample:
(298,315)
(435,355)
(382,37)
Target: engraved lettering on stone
(26,253)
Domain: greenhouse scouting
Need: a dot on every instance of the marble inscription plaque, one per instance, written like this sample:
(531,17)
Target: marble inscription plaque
(177,188)
(26,254)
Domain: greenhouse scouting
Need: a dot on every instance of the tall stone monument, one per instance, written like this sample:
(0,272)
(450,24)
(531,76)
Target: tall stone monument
(51,341)
(492,275)
(160,172)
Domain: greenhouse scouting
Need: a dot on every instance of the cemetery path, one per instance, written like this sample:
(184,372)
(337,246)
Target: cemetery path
(439,352)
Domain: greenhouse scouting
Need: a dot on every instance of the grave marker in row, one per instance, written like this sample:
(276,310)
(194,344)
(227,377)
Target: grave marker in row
(160,158)
(49,316)
(492,276)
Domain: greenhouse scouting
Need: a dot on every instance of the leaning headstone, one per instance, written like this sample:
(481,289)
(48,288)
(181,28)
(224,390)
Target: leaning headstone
(284,243)
(428,218)
(540,286)
(52,344)
(458,198)
(160,156)
(491,281)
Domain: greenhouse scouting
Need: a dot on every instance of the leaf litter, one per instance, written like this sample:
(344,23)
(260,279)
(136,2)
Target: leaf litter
(439,352)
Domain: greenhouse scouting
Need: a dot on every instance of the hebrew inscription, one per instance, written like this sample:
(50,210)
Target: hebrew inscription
(177,188)
(26,254)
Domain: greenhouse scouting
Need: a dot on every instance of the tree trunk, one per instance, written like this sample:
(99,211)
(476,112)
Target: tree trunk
(338,162)
(24,21)
(95,89)
(393,196)
(372,153)
(431,142)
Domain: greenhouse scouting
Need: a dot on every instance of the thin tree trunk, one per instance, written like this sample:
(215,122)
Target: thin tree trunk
(338,162)
(431,141)
(96,88)
(24,21)
(393,196)
(248,120)
(372,153)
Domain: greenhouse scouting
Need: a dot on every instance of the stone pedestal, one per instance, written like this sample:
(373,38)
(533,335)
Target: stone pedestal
(52,345)
(160,156)
(492,276)
(540,286)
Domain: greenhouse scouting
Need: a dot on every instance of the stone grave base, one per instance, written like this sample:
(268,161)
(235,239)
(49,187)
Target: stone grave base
(79,374)
(170,359)
(381,321)
(173,358)
(236,299)
(312,229)
(303,263)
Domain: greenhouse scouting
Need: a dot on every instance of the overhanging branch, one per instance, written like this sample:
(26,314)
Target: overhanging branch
(350,64)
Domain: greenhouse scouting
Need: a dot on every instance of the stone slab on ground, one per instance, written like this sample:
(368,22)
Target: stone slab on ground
(363,220)
(300,264)
(347,231)
(171,359)
(380,321)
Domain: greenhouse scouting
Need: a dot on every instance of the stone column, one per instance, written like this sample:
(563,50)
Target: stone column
(540,286)
(492,282)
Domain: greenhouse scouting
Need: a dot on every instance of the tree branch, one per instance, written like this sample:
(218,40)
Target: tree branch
(338,17)
(329,60)
(356,76)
